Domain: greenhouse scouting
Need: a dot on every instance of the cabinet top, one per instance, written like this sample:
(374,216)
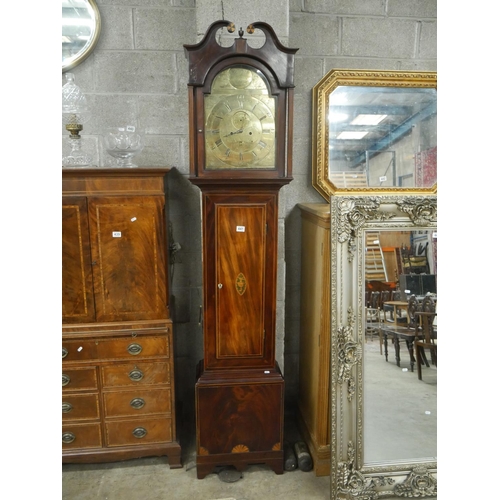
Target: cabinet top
(115,171)
(114,181)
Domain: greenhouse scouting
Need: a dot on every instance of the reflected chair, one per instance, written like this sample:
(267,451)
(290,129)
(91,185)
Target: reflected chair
(426,339)
(413,263)
(406,332)
(428,304)
(373,318)
(413,308)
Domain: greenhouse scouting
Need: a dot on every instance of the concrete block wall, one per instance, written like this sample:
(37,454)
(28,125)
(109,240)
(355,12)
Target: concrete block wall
(137,75)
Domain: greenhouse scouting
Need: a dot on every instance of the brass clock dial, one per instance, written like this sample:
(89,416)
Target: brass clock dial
(240,127)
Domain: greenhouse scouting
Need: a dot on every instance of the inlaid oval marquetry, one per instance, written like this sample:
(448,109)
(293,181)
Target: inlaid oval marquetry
(277,447)
(203,451)
(240,448)
(241,283)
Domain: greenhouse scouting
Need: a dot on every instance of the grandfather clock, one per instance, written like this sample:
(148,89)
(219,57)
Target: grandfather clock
(241,117)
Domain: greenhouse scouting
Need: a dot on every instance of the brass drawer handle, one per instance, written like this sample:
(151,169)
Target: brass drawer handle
(134,349)
(64,352)
(66,407)
(135,375)
(68,437)
(137,403)
(65,379)
(139,432)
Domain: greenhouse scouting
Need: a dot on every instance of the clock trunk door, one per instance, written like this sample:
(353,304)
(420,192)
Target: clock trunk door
(243,307)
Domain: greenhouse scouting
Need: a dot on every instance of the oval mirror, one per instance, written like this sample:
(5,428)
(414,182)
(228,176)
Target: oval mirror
(375,131)
(81,27)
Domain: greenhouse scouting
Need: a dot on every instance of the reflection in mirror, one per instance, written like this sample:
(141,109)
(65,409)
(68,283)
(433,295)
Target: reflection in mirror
(383,400)
(375,130)
(400,411)
(385,136)
(81,26)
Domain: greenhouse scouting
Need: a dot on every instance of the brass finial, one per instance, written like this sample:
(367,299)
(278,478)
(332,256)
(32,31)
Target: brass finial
(250,28)
(231,27)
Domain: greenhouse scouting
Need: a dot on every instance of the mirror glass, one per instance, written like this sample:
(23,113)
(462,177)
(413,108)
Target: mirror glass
(81,26)
(382,136)
(400,411)
(375,131)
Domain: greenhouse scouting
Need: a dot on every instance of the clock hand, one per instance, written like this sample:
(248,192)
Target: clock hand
(233,133)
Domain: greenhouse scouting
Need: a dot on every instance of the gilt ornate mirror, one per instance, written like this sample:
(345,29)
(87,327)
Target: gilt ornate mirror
(375,131)
(383,414)
(81,27)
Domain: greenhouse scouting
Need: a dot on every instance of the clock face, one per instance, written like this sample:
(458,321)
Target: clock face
(240,126)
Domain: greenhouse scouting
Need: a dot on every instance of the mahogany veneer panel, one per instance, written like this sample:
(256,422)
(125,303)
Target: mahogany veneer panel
(118,404)
(120,374)
(80,379)
(83,407)
(119,433)
(77,300)
(240,304)
(86,436)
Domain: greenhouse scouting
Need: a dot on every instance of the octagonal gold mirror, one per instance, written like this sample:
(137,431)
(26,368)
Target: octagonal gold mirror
(375,131)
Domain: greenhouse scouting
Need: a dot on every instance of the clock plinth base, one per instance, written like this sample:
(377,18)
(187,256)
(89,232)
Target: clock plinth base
(239,419)
(240,461)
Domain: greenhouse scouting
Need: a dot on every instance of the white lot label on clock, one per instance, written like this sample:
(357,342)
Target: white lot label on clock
(117,234)
(383,178)
(240,229)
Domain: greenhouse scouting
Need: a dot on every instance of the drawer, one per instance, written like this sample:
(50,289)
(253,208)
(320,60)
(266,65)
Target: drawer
(81,436)
(80,407)
(139,431)
(133,347)
(79,350)
(131,403)
(79,379)
(136,374)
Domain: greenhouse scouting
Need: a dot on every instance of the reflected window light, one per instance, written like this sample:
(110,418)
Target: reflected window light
(348,134)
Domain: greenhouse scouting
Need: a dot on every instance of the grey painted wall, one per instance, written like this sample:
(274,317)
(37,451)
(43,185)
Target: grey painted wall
(138,75)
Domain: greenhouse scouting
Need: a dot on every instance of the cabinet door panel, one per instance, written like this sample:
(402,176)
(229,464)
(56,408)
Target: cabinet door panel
(128,237)
(77,295)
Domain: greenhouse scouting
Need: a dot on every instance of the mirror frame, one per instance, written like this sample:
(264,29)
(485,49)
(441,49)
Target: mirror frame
(87,50)
(351,217)
(321,92)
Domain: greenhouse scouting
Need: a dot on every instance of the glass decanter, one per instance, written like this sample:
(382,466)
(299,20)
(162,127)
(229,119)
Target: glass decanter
(75,112)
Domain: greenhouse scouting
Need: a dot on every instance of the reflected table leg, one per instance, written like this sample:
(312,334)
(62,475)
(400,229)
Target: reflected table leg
(397,349)
(409,344)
